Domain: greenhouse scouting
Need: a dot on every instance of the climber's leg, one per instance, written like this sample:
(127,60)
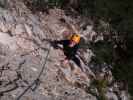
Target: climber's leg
(77,62)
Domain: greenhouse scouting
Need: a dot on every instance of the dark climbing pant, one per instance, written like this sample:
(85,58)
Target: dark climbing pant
(77,61)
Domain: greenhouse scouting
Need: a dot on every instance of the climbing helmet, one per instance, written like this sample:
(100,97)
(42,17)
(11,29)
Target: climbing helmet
(75,38)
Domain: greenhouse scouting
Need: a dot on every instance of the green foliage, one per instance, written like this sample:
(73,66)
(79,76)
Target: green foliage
(103,51)
(101,86)
(86,7)
(124,72)
(120,15)
(43,5)
(57,3)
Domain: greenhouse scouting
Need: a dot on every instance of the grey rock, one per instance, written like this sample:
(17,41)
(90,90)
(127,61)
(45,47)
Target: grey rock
(28,30)
(21,19)
(11,75)
(38,32)
(125,96)
(16,63)
(31,68)
(86,55)
(8,17)
(15,93)
(111,96)
(7,97)
(5,39)
(4,50)
(19,29)
(3,27)
(34,18)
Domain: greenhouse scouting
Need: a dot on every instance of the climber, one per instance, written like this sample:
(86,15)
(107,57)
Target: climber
(70,47)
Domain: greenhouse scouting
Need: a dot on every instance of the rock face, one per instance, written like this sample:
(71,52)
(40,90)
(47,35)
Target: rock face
(24,44)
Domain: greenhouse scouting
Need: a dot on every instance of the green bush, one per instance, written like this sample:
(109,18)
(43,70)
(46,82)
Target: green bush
(103,51)
(101,87)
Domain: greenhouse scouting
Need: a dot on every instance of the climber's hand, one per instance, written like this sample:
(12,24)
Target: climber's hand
(65,63)
(54,44)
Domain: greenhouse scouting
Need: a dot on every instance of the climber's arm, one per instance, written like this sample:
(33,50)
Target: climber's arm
(56,43)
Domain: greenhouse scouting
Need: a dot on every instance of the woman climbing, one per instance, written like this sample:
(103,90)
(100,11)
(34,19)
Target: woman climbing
(70,47)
